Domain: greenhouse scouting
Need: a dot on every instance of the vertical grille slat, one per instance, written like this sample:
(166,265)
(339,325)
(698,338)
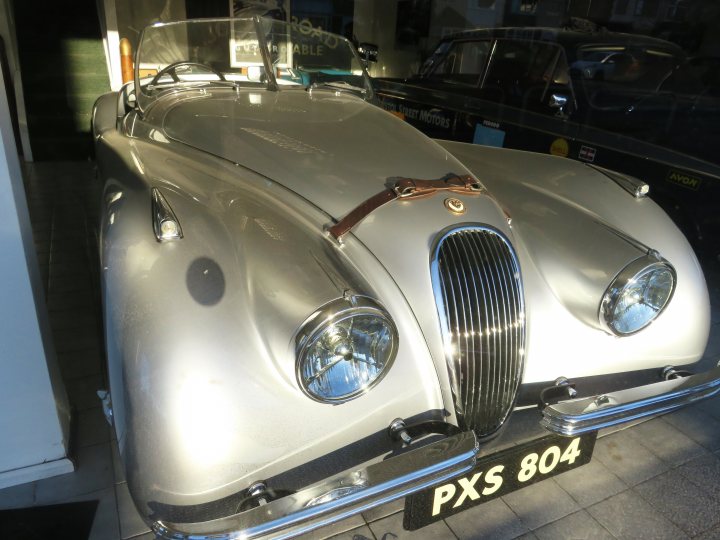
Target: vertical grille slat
(501,301)
(507,322)
(476,371)
(493,367)
(458,300)
(484,322)
(479,295)
(512,312)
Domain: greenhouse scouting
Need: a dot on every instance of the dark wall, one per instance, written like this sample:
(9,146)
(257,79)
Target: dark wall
(63,72)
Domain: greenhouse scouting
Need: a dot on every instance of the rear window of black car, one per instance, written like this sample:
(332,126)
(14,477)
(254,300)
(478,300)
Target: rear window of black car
(641,68)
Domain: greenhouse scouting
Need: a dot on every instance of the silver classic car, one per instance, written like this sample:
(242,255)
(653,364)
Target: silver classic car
(312,309)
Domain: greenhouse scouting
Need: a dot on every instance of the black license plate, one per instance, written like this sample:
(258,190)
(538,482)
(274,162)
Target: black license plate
(497,475)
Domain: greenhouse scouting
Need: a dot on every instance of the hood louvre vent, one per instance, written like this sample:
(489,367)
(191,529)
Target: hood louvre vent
(479,296)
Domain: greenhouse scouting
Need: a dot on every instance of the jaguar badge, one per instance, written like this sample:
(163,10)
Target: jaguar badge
(455,206)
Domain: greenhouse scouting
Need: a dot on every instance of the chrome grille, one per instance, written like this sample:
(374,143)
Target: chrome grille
(478,291)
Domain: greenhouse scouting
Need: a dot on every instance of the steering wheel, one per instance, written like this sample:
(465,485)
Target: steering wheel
(171,70)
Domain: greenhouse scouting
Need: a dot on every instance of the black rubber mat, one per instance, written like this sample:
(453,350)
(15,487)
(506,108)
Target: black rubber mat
(71,521)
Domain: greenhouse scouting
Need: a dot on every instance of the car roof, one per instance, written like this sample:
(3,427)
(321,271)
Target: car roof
(564,37)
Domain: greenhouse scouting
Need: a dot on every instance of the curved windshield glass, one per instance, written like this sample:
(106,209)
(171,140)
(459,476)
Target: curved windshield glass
(239,53)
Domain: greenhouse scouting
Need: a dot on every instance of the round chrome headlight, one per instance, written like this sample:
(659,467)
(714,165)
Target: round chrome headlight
(344,349)
(637,295)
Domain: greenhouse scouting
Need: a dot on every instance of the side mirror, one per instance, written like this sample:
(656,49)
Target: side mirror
(558,101)
(368,52)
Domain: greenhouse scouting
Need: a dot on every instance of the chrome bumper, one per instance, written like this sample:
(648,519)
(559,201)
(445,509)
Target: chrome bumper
(578,416)
(338,497)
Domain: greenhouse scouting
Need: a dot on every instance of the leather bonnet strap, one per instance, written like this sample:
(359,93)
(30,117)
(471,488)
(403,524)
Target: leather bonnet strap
(405,188)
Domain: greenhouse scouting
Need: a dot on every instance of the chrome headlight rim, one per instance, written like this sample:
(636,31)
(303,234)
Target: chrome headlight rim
(613,294)
(334,312)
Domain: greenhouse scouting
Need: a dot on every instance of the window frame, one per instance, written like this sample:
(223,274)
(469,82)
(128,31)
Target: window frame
(560,54)
(431,74)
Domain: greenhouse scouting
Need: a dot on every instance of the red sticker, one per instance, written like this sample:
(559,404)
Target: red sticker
(587,153)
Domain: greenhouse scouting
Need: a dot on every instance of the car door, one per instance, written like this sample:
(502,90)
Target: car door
(623,93)
(433,100)
(516,104)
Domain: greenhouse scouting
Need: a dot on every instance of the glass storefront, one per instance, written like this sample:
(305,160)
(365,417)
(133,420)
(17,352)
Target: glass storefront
(630,85)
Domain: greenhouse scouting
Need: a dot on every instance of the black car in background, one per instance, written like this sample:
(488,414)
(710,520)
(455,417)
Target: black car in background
(630,103)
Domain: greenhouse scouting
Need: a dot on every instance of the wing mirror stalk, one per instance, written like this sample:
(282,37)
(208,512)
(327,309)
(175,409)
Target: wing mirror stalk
(368,52)
(559,102)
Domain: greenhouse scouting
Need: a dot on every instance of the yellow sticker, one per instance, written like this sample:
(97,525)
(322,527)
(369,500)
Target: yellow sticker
(560,147)
(147,73)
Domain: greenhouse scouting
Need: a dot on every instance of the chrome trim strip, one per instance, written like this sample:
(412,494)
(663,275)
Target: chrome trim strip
(377,484)
(162,212)
(642,248)
(635,187)
(579,416)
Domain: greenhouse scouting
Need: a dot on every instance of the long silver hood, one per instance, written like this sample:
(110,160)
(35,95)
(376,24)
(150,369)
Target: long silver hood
(334,150)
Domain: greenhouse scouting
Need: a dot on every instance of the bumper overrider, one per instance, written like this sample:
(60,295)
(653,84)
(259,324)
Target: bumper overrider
(577,416)
(341,496)
(349,493)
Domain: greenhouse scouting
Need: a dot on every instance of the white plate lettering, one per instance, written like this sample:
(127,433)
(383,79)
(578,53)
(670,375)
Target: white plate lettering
(496,475)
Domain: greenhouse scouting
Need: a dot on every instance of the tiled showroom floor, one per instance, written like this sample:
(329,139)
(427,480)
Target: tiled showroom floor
(659,479)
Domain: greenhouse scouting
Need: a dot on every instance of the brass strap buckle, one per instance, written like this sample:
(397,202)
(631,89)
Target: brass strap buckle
(412,187)
(405,188)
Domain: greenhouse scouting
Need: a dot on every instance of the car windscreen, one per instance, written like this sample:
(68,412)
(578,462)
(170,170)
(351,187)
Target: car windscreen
(244,53)
(301,55)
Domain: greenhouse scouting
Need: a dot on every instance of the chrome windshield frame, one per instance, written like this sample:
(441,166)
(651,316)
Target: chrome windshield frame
(143,101)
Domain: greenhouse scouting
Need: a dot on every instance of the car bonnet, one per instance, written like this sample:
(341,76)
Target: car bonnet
(332,148)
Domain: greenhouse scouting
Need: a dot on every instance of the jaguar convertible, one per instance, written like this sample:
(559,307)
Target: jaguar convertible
(312,309)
